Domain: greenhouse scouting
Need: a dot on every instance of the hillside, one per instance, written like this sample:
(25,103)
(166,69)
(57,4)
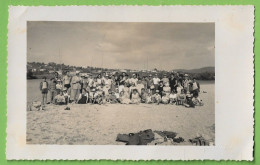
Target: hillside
(200,70)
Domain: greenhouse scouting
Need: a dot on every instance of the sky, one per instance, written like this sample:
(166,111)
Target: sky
(165,46)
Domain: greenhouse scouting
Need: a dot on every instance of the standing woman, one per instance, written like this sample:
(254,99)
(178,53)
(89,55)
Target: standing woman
(75,87)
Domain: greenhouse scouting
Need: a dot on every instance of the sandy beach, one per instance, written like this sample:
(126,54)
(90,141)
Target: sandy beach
(99,124)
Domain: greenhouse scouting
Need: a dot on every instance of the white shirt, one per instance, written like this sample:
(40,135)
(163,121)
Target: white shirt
(156,81)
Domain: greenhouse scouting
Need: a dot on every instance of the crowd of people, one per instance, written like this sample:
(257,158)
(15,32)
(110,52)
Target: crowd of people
(171,88)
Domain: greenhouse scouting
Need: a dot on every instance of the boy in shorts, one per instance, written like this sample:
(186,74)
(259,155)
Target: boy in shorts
(44,90)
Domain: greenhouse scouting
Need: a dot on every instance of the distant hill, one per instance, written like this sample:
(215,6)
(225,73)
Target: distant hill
(200,70)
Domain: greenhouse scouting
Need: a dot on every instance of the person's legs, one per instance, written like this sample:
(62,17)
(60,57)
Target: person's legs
(43,98)
(52,96)
(73,95)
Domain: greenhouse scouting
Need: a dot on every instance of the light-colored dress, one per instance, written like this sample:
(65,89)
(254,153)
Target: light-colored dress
(135,98)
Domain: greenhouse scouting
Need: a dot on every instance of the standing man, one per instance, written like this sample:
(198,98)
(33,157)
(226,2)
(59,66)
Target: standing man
(44,89)
(66,80)
(195,87)
(75,87)
(156,81)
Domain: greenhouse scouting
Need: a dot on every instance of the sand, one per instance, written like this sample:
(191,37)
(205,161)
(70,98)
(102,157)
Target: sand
(99,124)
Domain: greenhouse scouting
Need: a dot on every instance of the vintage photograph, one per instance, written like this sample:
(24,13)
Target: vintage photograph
(120,83)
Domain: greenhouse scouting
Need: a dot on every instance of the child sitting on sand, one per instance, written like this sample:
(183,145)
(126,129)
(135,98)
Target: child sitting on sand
(160,87)
(149,98)
(179,88)
(117,93)
(98,97)
(196,100)
(124,99)
(139,86)
(58,86)
(112,98)
(156,98)
(59,99)
(83,97)
(181,98)
(167,89)
(66,95)
(188,102)
(165,98)
(135,99)
(91,95)
(173,97)
(143,95)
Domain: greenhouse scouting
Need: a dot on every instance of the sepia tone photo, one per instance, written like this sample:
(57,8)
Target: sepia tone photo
(120,83)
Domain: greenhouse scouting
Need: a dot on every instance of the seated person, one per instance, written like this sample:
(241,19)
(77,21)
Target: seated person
(148,99)
(139,86)
(117,94)
(156,98)
(167,89)
(59,99)
(173,97)
(160,87)
(188,103)
(112,98)
(66,95)
(91,95)
(165,98)
(196,100)
(98,97)
(143,95)
(83,97)
(181,98)
(135,99)
(124,98)
(126,90)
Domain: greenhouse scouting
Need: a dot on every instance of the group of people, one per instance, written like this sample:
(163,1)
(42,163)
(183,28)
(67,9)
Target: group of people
(121,88)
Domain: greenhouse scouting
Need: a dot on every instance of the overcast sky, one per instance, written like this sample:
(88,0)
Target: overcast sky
(164,46)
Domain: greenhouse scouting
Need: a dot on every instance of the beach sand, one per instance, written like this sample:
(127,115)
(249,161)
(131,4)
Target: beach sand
(99,124)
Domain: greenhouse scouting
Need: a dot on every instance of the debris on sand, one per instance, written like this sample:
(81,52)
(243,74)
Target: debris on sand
(149,137)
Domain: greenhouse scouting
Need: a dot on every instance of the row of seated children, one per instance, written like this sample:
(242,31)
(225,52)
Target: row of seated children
(97,96)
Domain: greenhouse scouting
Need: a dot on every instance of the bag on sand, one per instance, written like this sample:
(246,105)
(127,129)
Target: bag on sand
(146,136)
(170,134)
(134,139)
(122,138)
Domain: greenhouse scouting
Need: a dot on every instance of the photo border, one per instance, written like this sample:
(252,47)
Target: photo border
(3,65)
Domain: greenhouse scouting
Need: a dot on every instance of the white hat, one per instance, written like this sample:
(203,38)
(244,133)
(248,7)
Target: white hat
(186,75)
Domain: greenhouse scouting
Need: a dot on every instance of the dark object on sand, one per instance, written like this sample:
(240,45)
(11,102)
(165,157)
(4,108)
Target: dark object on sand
(199,141)
(178,140)
(167,134)
(67,108)
(140,138)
